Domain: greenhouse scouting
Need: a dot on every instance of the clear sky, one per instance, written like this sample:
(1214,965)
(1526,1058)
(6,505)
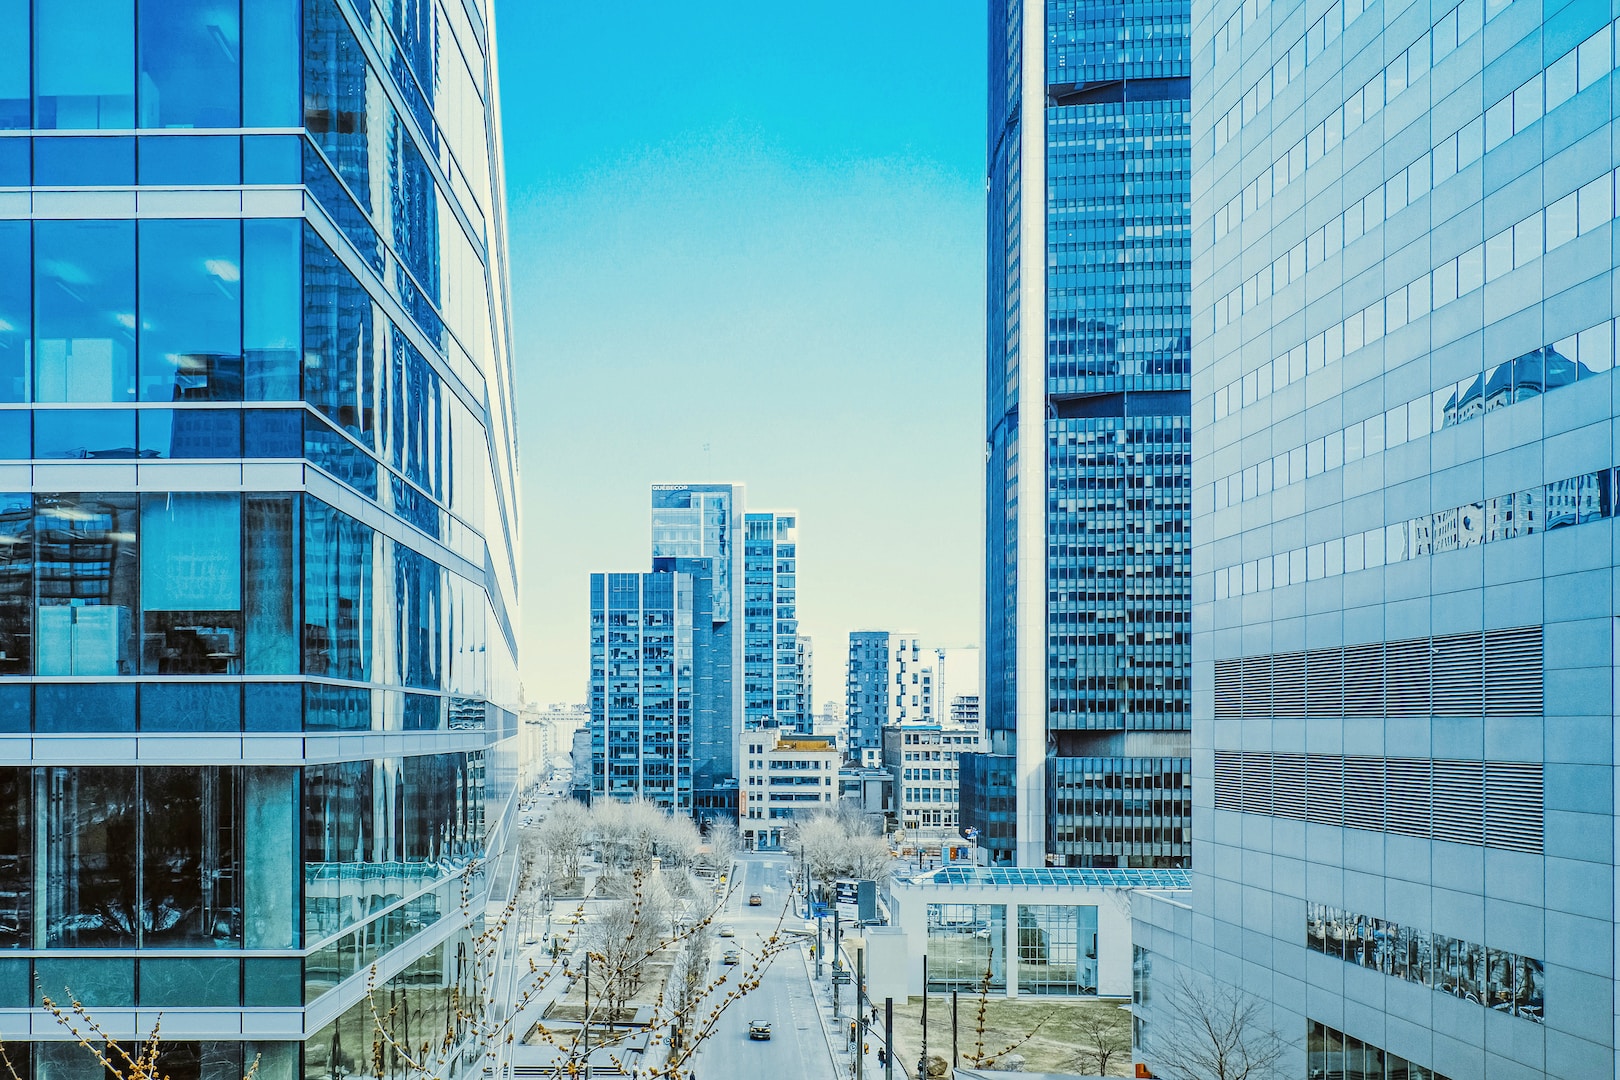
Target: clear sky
(747,245)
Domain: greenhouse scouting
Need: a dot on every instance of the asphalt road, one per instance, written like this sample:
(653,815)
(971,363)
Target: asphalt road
(797,1049)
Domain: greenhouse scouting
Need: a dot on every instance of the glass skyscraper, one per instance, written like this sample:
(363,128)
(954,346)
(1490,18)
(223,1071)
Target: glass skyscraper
(258,581)
(1404,423)
(1088,573)
(773,678)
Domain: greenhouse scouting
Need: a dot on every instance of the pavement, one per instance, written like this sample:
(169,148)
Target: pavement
(799,1047)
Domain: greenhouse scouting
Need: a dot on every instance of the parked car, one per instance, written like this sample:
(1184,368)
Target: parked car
(759,1029)
(754,900)
(731,957)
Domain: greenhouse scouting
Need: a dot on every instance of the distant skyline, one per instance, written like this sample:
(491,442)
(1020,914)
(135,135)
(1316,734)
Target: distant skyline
(748,245)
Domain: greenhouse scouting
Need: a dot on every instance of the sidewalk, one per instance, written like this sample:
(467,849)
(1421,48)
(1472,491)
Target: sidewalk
(836,1029)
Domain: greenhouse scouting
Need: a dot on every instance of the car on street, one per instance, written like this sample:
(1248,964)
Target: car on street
(731,957)
(755,900)
(759,1029)
(727,931)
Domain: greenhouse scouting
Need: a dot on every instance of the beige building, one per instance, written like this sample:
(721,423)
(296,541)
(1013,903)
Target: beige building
(781,776)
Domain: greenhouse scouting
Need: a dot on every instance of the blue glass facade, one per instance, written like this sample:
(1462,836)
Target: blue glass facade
(1093,640)
(773,678)
(258,497)
(642,686)
(866,695)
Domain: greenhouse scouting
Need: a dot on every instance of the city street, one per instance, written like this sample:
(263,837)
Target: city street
(797,1049)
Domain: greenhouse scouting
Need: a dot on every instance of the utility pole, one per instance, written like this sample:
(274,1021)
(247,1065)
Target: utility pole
(836,961)
(953,1029)
(588,1010)
(860,1013)
(888,1039)
(922,1062)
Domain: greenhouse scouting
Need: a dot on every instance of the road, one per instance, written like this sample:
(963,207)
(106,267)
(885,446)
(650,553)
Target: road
(797,1049)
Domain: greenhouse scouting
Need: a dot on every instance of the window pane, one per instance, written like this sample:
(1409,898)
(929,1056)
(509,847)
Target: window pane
(191,584)
(270,869)
(191,311)
(271,51)
(190,159)
(14,64)
(188,982)
(84,433)
(189,870)
(16,584)
(84,56)
(191,433)
(104,706)
(273,433)
(270,527)
(15,314)
(87,580)
(272,309)
(91,843)
(16,861)
(339,378)
(190,75)
(191,706)
(337,597)
(107,161)
(84,297)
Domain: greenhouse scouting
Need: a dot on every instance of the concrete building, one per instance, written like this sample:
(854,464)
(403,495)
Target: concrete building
(924,760)
(1404,405)
(783,775)
(889,679)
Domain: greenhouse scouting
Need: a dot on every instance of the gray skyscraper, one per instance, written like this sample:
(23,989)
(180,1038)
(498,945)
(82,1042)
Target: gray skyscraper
(258,571)
(1087,554)
(1404,407)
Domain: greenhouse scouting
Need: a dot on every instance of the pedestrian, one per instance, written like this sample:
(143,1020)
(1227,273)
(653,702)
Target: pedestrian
(883,1056)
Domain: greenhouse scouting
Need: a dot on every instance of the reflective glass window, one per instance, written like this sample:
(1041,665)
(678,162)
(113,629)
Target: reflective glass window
(271,706)
(967,946)
(16,316)
(270,532)
(338,341)
(197,1061)
(190,159)
(190,433)
(273,433)
(191,583)
(271,49)
(14,65)
(191,706)
(84,63)
(272,309)
(84,433)
(337,558)
(16,858)
(191,311)
(104,706)
(190,877)
(92,839)
(16,434)
(84,303)
(271,159)
(87,579)
(188,982)
(270,877)
(190,66)
(79,161)
(16,584)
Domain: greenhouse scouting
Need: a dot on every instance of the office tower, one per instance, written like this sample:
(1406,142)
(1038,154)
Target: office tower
(258,588)
(644,630)
(694,531)
(1404,404)
(773,682)
(1087,574)
(889,680)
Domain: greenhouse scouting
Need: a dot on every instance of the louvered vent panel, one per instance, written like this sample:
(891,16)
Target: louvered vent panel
(1364,793)
(1459,801)
(1513,672)
(1513,806)
(1324,683)
(1324,789)
(1458,667)
(1228,688)
(1256,686)
(1256,783)
(1288,685)
(1406,677)
(1407,791)
(1288,786)
(1364,680)
(1228,781)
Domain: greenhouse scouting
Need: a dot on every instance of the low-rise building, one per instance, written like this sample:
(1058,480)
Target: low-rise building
(924,760)
(1047,931)
(783,775)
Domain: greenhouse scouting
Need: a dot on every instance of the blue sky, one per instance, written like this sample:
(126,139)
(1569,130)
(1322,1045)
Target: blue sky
(747,244)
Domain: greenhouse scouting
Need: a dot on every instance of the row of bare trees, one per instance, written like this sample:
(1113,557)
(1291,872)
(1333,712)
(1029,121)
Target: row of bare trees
(841,844)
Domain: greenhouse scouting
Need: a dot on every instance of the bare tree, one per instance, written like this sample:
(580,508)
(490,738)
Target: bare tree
(722,846)
(841,844)
(1207,1030)
(558,839)
(1104,1035)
